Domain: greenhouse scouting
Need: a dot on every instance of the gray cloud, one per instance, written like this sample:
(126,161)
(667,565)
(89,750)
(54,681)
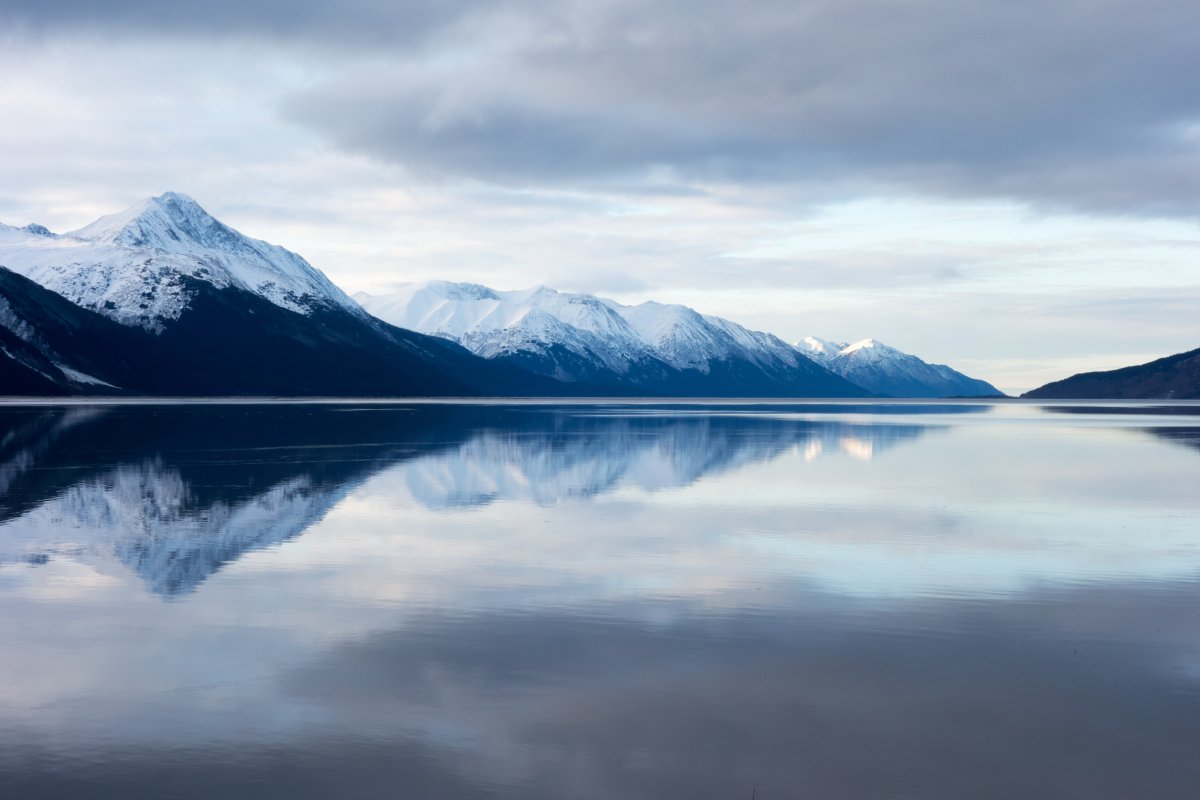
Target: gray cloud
(345,23)
(1047,102)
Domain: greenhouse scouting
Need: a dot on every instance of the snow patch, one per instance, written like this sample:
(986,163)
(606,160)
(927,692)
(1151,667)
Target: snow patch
(11,321)
(76,376)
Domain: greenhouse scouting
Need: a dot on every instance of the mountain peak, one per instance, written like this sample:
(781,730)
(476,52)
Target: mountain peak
(873,350)
(462,291)
(130,265)
(862,344)
(174,197)
(171,221)
(178,207)
(815,347)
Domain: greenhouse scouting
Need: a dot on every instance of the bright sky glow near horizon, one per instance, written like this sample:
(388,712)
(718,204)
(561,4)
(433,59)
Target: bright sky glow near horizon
(1012,189)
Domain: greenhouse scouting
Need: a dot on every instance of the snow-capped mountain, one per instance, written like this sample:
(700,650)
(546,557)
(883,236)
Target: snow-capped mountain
(133,266)
(887,371)
(648,348)
(569,337)
(201,309)
(162,298)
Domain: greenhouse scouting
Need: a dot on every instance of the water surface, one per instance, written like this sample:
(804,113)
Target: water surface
(534,601)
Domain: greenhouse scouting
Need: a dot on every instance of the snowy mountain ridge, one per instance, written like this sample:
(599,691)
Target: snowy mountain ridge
(564,334)
(885,370)
(135,266)
(575,336)
(688,339)
(493,324)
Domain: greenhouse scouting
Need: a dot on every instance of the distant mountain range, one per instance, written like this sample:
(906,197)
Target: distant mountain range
(652,347)
(1175,377)
(576,338)
(163,299)
(885,370)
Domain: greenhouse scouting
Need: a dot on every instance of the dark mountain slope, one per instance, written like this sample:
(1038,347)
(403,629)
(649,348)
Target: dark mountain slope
(52,346)
(1174,377)
(232,342)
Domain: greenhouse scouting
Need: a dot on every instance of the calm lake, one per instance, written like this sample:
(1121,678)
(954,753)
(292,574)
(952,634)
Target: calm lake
(547,601)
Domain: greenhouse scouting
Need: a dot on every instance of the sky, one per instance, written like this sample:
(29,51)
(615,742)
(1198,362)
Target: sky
(1011,188)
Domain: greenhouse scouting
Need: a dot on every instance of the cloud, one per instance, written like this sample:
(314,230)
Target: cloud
(1050,102)
(1045,102)
(348,23)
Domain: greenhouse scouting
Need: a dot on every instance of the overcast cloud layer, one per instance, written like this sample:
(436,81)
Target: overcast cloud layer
(707,152)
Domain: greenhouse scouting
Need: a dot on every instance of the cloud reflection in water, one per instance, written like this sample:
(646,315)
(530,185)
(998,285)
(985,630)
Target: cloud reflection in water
(542,602)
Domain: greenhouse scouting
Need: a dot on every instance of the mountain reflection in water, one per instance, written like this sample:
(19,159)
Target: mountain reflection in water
(174,492)
(643,601)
